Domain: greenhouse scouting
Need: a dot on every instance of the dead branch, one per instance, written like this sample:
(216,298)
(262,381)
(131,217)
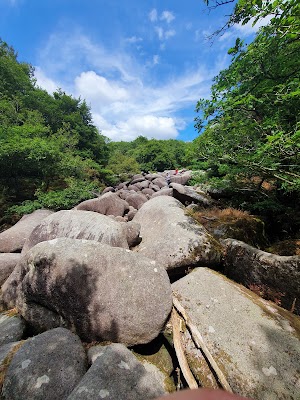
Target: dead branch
(201,344)
(189,377)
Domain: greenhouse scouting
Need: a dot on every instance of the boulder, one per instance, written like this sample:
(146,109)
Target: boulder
(108,204)
(148,191)
(6,349)
(163,192)
(133,188)
(182,177)
(77,224)
(255,343)
(160,182)
(173,238)
(9,289)
(186,195)
(277,277)
(108,189)
(101,292)
(151,177)
(137,178)
(156,188)
(13,239)
(117,374)
(234,224)
(132,233)
(131,213)
(11,328)
(143,184)
(123,193)
(47,366)
(136,200)
(8,262)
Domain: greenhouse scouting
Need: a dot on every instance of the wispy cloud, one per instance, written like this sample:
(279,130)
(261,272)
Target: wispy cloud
(153,15)
(133,39)
(167,16)
(118,88)
(164,34)
(44,82)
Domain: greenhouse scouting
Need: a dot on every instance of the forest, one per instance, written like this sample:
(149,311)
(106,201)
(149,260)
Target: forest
(53,156)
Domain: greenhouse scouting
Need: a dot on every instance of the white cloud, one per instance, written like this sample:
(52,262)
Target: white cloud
(68,54)
(160,32)
(164,35)
(145,125)
(170,33)
(248,29)
(97,88)
(134,39)
(44,82)
(155,59)
(125,102)
(167,16)
(153,15)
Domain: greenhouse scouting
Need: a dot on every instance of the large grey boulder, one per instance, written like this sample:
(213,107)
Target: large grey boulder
(163,192)
(273,275)
(9,289)
(13,239)
(173,238)
(8,262)
(6,349)
(186,195)
(108,204)
(143,184)
(160,182)
(46,367)
(132,232)
(136,200)
(100,292)
(254,342)
(77,224)
(11,328)
(117,374)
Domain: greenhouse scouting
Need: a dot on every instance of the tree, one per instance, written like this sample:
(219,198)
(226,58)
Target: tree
(253,114)
(51,154)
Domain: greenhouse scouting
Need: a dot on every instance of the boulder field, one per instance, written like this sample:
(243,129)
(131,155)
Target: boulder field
(87,295)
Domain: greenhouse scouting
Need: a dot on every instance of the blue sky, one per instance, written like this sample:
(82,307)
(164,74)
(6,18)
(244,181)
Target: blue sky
(140,65)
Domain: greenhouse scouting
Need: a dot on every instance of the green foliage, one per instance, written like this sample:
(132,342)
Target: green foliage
(59,199)
(123,166)
(51,155)
(252,131)
(150,154)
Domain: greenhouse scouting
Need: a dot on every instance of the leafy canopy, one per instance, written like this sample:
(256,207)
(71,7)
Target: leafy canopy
(253,116)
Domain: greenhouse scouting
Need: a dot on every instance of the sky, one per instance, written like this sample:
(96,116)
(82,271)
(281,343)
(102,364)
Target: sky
(141,65)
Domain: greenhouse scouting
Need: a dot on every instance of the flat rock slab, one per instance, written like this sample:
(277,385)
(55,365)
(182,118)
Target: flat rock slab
(117,374)
(254,342)
(46,367)
(13,239)
(173,238)
(100,292)
(76,224)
